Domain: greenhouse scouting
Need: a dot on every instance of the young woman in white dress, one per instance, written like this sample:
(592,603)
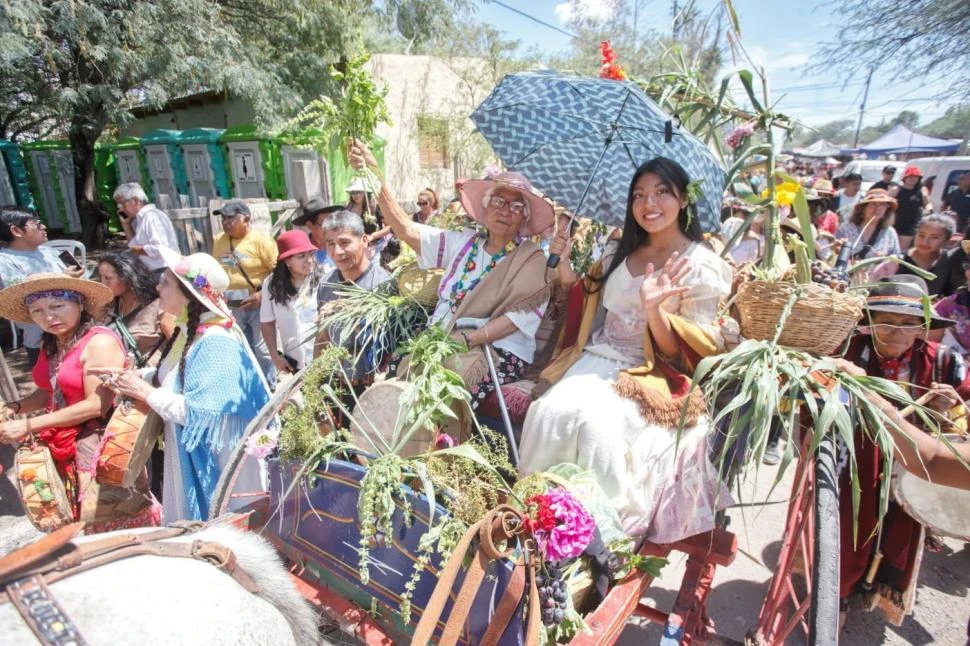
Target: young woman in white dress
(620,385)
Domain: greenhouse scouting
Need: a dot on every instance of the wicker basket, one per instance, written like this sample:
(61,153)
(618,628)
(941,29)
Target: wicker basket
(819,322)
(420,284)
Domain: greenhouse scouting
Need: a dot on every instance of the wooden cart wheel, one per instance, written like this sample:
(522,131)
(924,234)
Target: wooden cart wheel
(804,591)
(227,481)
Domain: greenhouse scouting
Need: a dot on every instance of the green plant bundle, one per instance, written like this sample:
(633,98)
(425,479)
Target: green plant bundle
(300,436)
(434,388)
(760,385)
(362,106)
(378,320)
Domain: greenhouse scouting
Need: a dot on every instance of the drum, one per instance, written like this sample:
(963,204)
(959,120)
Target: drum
(377,415)
(41,488)
(127,444)
(941,508)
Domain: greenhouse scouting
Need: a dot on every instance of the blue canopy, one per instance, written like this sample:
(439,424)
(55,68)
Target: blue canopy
(901,139)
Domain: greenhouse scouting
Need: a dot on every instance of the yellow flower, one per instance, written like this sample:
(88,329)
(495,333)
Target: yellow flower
(784,193)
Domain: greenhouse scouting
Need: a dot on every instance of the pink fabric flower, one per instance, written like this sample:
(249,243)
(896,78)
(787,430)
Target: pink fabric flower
(739,134)
(444,441)
(573,529)
(262,444)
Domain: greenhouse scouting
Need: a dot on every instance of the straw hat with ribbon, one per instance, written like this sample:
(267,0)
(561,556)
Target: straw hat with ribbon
(473,192)
(903,294)
(91,295)
(203,276)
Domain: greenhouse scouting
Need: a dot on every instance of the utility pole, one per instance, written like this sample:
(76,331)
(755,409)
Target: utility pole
(675,12)
(862,107)
(636,21)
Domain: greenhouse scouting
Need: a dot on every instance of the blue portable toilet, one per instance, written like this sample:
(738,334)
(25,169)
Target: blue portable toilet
(166,171)
(14,188)
(205,165)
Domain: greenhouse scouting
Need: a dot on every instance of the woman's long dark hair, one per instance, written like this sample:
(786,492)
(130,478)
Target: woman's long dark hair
(134,274)
(195,310)
(673,176)
(281,288)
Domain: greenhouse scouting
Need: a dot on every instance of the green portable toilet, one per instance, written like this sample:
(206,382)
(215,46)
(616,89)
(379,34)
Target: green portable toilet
(14,187)
(50,171)
(205,165)
(166,172)
(130,163)
(254,164)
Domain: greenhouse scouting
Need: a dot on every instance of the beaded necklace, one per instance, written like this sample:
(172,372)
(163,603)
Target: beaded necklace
(459,290)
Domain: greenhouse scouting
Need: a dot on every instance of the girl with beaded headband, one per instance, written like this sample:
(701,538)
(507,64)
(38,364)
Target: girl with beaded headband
(75,405)
(206,388)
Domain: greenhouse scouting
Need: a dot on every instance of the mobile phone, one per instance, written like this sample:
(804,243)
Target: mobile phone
(68,259)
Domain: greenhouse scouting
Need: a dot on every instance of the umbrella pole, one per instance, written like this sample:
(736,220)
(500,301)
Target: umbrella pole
(553,260)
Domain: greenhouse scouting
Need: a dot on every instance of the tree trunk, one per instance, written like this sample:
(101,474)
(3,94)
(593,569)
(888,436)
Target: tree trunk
(94,217)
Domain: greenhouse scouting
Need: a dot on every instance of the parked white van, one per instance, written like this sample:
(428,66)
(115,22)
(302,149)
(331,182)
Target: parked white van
(940,175)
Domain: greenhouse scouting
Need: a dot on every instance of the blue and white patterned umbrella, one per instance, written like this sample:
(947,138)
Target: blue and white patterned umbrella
(580,139)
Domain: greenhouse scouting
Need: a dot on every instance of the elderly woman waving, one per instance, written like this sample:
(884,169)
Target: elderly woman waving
(494,279)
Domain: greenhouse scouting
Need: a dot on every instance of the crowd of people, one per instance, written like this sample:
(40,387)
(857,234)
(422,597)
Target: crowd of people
(202,339)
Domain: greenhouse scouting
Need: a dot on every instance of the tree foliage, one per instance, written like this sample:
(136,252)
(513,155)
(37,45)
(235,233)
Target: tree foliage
(915,39)
(954,124)
(79,66)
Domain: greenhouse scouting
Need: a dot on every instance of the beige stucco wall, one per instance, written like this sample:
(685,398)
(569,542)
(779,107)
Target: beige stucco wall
(427,86)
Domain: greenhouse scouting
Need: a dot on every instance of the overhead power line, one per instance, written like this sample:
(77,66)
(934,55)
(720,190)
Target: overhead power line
(534,19)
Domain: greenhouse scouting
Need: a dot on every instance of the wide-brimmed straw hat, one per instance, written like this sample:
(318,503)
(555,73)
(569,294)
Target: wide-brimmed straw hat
(904,294)
(472,192)
(824,188)
(875,196)
(13,308)
(202,275)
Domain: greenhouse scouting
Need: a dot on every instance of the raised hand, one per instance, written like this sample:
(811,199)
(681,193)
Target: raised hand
(658,287)
(361,156)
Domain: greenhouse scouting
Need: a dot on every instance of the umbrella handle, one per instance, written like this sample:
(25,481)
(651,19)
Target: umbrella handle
(553,261)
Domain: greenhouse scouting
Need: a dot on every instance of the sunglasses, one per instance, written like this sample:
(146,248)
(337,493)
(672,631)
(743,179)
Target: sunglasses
(423,203)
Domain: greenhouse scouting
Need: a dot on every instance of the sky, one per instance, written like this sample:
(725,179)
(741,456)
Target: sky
(782,36)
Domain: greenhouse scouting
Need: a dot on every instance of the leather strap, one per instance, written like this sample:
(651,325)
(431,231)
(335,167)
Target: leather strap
(502,523)
(71,559)
(44,616)
(20,559)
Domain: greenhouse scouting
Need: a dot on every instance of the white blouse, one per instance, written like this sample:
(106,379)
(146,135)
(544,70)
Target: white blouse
(449,250)
(621,336)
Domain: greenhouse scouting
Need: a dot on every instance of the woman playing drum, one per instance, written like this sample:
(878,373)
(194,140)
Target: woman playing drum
(494,277)
(620,382)
(77,406)
(896,349)
(207,386)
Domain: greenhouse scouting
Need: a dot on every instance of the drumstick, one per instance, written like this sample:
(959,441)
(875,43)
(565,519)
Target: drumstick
(909,410)
(871,572)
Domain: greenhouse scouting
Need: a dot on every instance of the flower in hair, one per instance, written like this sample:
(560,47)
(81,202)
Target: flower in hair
(694,191)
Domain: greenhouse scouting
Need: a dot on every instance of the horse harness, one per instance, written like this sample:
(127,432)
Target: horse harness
(25,573)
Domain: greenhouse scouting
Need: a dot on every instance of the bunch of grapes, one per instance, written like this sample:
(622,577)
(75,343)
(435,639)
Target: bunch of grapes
(552,594)
(824,274)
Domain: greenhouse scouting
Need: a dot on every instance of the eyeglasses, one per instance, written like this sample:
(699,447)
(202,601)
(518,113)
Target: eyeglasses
(423,203)
(37,224)
(497,202)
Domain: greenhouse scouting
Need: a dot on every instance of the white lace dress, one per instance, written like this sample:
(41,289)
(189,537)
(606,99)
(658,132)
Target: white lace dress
(662,487)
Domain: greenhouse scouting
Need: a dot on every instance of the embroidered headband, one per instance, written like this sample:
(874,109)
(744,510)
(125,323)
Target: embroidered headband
(62,294)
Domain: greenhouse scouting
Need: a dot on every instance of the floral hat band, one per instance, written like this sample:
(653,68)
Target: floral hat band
(203,275)
(62,294)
